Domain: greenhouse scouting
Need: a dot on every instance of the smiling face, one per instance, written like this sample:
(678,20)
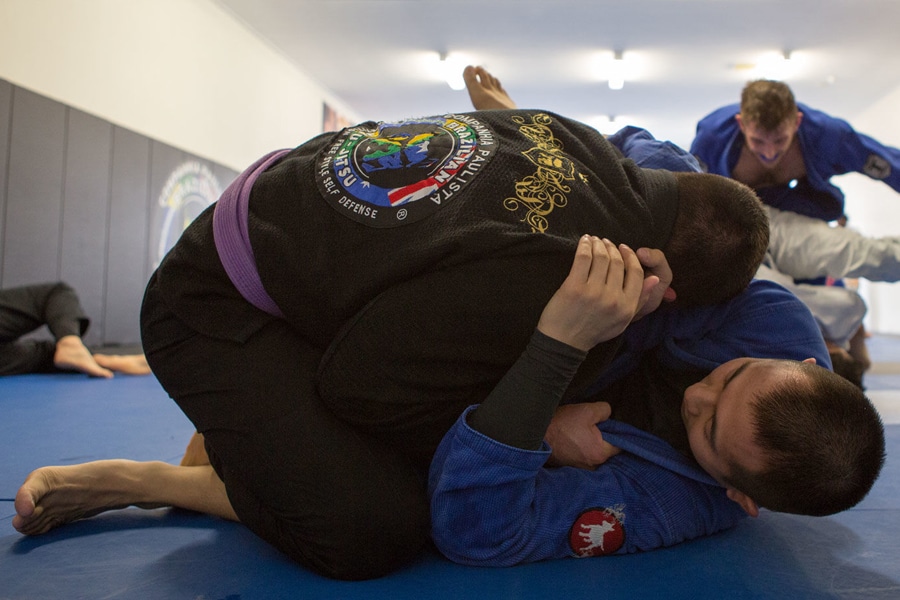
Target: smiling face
(718,414)
(769,146)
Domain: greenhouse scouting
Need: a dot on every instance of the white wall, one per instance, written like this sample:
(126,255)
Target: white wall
(187,73)
(184,72)
(874,209)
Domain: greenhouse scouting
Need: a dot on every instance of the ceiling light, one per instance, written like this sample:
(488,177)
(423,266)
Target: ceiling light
(776,65)
(451,69)
(617,72)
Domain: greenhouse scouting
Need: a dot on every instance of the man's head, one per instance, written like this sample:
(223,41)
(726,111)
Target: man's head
(720,236)
(769,120)
(789,436)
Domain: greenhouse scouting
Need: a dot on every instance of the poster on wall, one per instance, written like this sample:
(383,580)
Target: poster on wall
(188,190)
(332,120)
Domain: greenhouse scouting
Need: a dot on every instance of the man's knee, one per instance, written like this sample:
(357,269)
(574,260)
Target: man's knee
(355,528)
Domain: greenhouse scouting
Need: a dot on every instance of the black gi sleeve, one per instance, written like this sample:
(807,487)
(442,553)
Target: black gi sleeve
(519,409)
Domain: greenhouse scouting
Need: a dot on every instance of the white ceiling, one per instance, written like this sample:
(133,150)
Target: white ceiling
(690,56)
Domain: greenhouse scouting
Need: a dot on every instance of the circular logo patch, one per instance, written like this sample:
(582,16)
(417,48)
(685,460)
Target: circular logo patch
(596,532)
(190,188)
(388,174)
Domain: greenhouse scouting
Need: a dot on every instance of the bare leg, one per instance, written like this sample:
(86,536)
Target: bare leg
(130,364)
(54,496)
(71,354)
(485,90)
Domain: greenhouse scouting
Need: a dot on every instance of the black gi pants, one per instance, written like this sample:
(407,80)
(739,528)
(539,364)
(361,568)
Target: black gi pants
(333,499)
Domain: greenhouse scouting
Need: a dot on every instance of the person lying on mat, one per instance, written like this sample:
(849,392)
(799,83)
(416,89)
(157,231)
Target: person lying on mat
(495,503)
(24,309)
(785,434)
(350,298)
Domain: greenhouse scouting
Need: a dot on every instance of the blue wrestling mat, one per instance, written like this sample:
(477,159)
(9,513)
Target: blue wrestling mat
(171,554)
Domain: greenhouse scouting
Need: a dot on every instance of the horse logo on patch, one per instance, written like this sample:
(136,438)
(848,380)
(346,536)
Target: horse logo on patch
(597,532)
(388,174)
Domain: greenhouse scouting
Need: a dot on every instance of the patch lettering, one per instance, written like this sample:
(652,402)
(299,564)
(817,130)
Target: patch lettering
(388,174)
(597,532)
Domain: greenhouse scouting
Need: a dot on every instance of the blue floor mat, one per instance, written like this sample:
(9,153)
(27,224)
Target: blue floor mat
(171,554)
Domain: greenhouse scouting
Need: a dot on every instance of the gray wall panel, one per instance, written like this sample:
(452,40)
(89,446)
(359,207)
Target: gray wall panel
(168,185)
(34,190)
(5,120)
(223,175)
(86,205)
(93,204)
(127,236)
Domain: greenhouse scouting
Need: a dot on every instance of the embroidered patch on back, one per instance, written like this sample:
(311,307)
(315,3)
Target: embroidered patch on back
(597,532)
(388,174)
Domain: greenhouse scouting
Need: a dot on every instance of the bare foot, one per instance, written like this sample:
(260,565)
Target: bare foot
(72,355)
(485,90)
(195,454)
(54,496)
(130,364)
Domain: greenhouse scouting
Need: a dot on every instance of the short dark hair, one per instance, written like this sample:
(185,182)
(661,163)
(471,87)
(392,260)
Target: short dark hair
(823,443)
(767,103)
(720,237)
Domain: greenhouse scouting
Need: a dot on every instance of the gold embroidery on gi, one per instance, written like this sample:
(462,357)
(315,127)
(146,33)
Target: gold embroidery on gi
(541,193)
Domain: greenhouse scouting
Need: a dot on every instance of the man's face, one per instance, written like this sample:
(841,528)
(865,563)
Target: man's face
(718,415)
(769,147)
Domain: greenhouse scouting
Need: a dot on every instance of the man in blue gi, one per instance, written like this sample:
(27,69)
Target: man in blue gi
(788,153)
(494,502)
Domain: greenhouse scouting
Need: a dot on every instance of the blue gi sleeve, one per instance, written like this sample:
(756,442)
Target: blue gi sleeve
(716,143)
(764,321)
(650,153)
(832,147)
(496,505)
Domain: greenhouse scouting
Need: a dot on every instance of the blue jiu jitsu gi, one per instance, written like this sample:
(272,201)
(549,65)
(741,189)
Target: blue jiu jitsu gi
(830,147)
(497,505)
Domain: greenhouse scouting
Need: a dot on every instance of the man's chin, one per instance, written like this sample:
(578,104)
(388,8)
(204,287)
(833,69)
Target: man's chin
(769,163)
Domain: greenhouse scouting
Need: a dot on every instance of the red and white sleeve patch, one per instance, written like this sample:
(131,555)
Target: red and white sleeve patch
(597,532)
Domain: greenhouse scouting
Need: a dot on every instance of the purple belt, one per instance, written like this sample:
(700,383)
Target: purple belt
(232,239)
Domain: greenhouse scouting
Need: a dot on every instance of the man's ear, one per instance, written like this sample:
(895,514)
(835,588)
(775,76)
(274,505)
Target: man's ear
(810,360)
(740,122)
(750,507)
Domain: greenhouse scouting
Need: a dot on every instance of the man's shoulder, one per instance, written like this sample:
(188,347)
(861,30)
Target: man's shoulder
(818,120)
(714,130)
(721,116)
